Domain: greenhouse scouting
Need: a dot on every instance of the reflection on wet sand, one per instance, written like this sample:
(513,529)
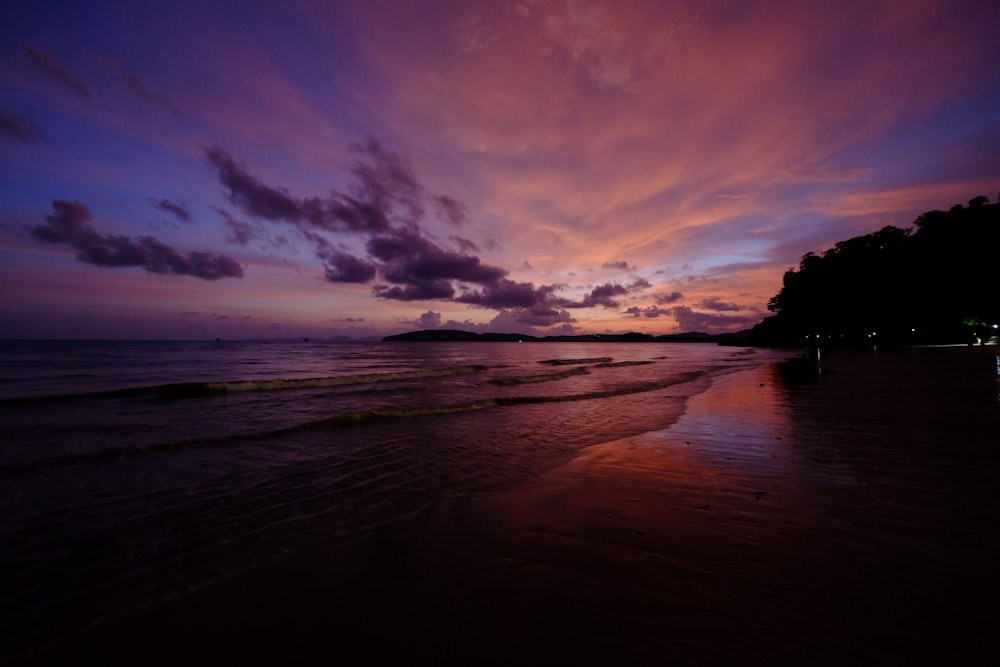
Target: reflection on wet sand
(787,516)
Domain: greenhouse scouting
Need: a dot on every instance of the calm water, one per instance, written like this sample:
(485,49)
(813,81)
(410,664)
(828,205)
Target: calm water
(134,471)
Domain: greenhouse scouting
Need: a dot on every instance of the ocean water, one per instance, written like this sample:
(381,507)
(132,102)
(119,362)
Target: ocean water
(131,472)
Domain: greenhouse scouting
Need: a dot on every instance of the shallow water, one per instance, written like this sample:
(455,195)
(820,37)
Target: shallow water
(136,471)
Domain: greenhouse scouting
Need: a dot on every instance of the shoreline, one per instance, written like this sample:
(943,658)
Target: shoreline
(788,515)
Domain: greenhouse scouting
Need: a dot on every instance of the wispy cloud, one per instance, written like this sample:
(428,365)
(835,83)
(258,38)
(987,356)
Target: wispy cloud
(21,128)
(176,210)
(50,67)
(142,92)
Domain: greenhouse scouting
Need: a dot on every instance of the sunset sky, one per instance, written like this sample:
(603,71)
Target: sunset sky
(319,168)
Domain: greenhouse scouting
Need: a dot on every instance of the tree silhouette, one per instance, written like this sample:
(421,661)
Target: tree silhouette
(932,283)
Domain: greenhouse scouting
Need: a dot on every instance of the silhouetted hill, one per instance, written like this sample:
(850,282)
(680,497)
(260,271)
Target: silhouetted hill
(435,335)
(935,283)
(455,335)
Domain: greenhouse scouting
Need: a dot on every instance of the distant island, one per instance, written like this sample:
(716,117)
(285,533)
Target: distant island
(456,335)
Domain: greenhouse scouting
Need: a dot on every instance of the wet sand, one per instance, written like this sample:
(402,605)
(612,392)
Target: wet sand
(840,514)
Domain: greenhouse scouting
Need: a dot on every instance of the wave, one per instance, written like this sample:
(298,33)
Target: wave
(638,388)
(546,377)
(569,362)
(180,390)
(357,418)
(339,380)
(620,364)
(349,420)
(599,362)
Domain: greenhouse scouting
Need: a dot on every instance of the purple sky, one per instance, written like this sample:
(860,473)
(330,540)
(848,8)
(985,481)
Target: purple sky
(315,168)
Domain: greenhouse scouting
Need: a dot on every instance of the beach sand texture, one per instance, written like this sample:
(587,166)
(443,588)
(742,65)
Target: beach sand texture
(840,513)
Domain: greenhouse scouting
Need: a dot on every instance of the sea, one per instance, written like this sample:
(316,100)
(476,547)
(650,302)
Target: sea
(135,471)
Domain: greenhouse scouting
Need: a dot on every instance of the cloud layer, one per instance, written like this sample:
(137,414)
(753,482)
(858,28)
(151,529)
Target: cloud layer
(540,166)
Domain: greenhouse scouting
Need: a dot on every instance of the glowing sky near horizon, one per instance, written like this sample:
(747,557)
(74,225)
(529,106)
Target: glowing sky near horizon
(321,168)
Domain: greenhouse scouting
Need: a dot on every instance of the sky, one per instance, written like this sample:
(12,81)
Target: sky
(356,168)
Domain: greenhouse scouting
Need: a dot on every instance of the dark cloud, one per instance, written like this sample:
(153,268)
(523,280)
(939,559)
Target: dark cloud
(542,315)
(617,264)
(713,303)
(690,320)
(465,245)
(673,297)
(428,320)
(347,213)
(522,320)
(239,232)
(638,284)
(450,210)
(48,65)
(176,210)
(385,204)
(506,293)
(344,268)
(139,89)
(604,295)
(408,259)
(18,127)
(417,290)
(384,192)
(70,224)
(383,179)
(649,311)
(249,194)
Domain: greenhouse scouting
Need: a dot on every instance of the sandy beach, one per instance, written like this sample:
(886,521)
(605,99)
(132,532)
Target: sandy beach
(835,513)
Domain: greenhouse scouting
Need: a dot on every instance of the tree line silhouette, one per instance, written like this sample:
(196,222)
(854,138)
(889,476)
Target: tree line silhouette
(935,282)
